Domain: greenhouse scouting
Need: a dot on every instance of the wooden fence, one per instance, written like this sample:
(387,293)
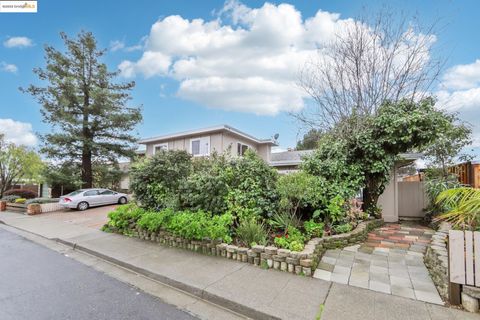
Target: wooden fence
(463,261)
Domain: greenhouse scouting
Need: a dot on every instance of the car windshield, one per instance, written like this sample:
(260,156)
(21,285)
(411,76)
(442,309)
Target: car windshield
(74,193)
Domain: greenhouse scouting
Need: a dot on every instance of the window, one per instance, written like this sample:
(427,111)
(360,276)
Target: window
(241,148)
(107,192)
(159,147)
(200,146)
(91,193)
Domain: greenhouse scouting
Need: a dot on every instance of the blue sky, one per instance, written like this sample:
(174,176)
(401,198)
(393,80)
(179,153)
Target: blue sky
(212,86)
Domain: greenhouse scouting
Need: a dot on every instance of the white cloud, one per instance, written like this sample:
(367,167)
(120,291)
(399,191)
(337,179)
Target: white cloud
(246,59)
(460,92)
(8,67)
(116,45)
(462,77)
(18,42)
(17,132)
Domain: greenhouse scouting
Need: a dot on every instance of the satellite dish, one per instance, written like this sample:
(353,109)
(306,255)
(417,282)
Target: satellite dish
(276,136)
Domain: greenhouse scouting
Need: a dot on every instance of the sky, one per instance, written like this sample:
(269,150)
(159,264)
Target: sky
(201,63)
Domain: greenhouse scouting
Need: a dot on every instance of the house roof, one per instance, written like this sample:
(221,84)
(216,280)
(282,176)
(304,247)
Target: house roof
(218,128)
(293,158)
(288,158)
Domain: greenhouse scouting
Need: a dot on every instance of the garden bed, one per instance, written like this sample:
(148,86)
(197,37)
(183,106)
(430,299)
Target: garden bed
(268,257)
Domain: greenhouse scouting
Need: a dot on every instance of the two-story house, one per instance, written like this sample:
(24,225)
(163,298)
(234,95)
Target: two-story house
(203,142)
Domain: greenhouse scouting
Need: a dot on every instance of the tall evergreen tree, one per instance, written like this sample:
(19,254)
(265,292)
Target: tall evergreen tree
(87,109)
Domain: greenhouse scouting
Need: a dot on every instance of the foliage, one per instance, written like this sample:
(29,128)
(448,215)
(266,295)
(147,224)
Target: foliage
(106,175)
(453,137)
(190,225)
(153,220)
(299,190)
(462,207)
(87,109)
(22,193)
(123,216)
(20,200)
(434,187)
(335,211)
(17,163)
(309,140)
(293,240)
(251,232)
(313,229)
(200,225)
(343,228)
(354,212)
(10,199)
(252,187)
(206,188)
(42,200)
(282,220)
(156,181)
(65,175)
(365,153)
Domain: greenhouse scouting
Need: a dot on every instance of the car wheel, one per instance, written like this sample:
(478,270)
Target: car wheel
(122,200)
(82,206)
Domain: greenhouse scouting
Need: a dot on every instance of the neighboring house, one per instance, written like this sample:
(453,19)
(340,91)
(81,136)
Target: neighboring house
(203,142)
(288,161)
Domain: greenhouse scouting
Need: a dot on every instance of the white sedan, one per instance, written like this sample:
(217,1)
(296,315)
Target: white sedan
(85,198)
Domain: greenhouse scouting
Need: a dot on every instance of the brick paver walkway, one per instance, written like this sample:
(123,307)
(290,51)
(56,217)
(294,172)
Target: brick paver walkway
(390,261)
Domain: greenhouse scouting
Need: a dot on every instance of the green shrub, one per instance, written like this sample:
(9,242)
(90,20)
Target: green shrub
(251,232)
(252,187)
(462,207)
(200,225)
(156,181)
(313,229)
(282,220)
(342,228)
(299,190)
(153,221)
(121,218)
(292,240)
(206,188)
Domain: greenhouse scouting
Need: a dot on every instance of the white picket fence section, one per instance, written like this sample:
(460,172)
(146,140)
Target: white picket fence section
(464,257)
(50,207)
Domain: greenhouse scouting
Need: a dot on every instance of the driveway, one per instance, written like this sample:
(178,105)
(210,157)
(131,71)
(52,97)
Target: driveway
(94,217)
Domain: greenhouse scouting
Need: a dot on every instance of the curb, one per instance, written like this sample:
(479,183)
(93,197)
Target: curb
(200,293)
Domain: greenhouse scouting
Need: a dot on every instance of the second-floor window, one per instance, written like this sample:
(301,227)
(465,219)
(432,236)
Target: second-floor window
(200,146)
(241,148)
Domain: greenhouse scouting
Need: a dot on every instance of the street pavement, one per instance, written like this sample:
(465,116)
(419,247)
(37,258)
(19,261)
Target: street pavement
(38,283)
(246,289)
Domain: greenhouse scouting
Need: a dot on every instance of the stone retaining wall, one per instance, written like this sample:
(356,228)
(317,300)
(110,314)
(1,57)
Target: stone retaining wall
(436,259)
(268,257)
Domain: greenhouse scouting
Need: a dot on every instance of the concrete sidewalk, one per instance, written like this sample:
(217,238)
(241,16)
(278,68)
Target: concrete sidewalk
(249,290)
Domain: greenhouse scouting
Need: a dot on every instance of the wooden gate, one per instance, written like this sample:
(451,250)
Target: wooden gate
(463,261)
(411,199)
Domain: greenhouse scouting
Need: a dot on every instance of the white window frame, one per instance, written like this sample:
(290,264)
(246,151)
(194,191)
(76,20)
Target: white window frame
(243,144)
(165,144)
(207,138)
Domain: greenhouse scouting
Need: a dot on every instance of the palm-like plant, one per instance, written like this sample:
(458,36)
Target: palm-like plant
(462,207)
